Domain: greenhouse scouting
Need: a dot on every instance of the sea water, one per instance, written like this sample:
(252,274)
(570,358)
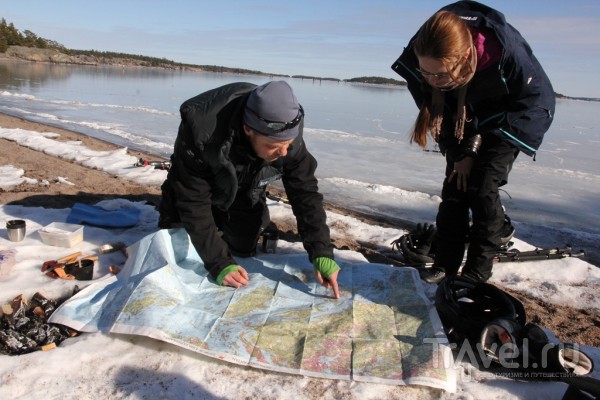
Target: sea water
(358,133)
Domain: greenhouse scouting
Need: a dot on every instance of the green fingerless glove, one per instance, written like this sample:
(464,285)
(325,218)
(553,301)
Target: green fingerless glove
(226,270)
(326,266)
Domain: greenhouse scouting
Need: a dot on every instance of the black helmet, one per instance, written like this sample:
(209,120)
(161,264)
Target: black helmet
(466,307)
(484,316)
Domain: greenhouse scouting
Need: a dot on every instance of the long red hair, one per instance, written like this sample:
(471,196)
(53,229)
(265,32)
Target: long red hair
(444,36)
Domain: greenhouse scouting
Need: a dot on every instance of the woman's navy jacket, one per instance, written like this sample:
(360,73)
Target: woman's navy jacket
(512,98)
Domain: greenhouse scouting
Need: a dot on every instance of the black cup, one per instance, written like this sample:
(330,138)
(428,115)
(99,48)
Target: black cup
(269,242)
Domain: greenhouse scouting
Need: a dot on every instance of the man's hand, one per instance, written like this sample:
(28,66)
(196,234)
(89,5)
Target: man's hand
(462,171)
(235,276)
(326,273)
(331,281)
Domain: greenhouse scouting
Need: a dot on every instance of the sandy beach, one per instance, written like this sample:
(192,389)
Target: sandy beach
(570,324)
(90,186)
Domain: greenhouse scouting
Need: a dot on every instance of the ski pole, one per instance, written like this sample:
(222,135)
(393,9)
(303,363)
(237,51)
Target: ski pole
(165,165)
(506,256)
(277,198)
(538,254)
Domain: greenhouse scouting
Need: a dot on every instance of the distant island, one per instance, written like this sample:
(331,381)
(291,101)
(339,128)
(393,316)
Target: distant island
(93,57)
(28,46)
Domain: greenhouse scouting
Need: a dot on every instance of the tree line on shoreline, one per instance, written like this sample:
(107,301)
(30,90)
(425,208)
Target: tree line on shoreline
(11,36)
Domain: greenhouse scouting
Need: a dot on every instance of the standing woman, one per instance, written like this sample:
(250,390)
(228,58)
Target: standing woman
(483,97)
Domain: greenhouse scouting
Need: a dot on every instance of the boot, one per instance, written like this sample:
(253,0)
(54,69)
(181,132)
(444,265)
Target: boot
(432,275)
(508,231)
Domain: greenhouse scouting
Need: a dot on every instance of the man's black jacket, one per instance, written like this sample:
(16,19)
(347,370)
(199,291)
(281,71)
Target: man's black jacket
(213,165)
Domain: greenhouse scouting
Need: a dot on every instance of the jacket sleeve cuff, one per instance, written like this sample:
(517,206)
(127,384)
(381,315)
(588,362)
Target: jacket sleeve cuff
(226,270)
(326,266)
(470,147)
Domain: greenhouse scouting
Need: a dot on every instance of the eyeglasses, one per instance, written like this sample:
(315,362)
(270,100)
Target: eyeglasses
(430,75)
(441,75)
(278,126)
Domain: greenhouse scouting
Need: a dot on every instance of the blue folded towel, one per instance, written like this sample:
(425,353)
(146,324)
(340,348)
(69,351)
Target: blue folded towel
(98,216)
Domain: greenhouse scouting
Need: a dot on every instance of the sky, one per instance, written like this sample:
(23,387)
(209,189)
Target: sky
(338,39)
(100,365)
